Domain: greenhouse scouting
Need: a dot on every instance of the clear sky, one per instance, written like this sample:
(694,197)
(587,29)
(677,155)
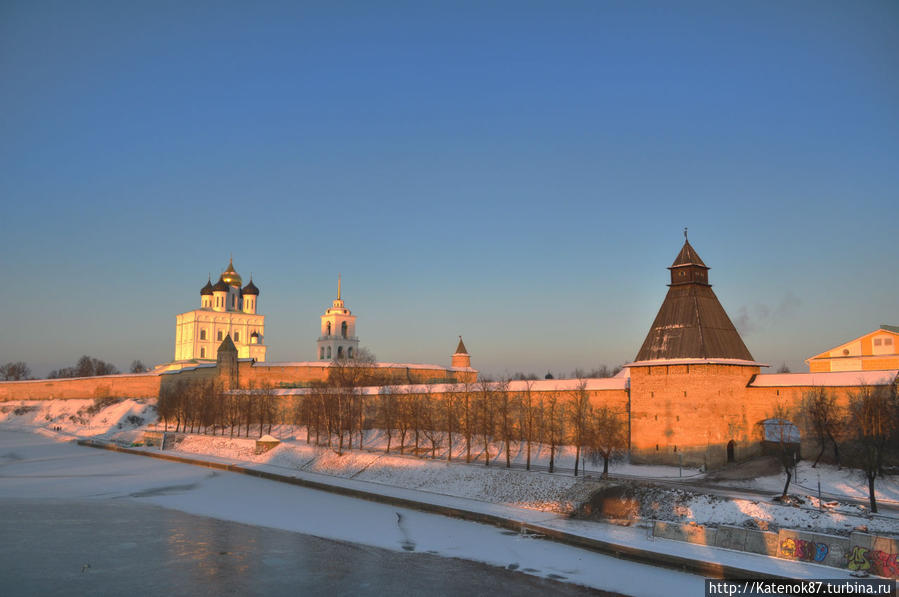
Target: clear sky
(516,172)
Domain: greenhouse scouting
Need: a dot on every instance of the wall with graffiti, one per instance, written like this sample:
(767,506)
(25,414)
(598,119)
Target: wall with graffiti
(828,550)
(873,554)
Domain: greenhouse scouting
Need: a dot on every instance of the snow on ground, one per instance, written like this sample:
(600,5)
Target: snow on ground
(678,505)
(84,418)
(37,467)
(559,492)
(837,482)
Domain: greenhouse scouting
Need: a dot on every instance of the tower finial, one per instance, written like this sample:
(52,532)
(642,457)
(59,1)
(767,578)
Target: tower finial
(338,286)
(685,233)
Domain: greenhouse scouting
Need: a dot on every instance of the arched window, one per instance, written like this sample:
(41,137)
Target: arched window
(202,353)
(329,352)
(340,352)
(202,334)
(343,329)
(237,336)
(321,352)
(349,352)
(328,329)
(220,336)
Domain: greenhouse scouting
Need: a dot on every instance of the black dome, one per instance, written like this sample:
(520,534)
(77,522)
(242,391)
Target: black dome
(250,288)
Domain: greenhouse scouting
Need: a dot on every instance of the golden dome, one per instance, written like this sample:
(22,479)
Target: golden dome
(231,277)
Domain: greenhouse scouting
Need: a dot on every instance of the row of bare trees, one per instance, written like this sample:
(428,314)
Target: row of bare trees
(200,406)
(862,432)
(470,417)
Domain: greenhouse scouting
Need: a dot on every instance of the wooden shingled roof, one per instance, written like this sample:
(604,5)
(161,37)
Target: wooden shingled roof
(691,323)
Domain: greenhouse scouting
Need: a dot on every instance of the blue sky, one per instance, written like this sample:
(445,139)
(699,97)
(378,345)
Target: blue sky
(516,172)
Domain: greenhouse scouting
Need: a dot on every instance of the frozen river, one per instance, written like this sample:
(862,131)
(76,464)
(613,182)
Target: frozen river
(77,520)
(119,547)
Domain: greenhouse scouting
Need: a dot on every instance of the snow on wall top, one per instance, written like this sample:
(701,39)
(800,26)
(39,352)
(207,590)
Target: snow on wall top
(827,379)
(379,365)
(690,361)
(540,385)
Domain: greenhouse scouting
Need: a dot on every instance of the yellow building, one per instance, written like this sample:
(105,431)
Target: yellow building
(226,309)
(874,351)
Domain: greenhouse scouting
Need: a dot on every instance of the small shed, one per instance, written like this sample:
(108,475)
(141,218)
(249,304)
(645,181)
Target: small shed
(266,443)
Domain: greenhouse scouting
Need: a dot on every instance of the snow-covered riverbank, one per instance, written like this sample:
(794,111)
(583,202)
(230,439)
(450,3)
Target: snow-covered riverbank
(559,492)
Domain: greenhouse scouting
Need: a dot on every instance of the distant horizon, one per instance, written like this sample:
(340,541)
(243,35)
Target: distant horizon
(516,173)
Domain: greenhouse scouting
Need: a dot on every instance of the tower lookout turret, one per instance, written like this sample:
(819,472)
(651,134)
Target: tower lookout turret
(461,358)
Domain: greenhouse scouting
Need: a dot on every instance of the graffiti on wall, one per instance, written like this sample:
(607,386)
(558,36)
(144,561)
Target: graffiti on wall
(805,551)
(873,561)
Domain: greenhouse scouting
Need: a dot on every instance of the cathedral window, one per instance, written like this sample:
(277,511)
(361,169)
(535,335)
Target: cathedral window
(321,352)
(202,334)
(340,352)
(219,336)
(349,352)
(329,352)
(202,353)
(343,329)
(328,329)
(237,336)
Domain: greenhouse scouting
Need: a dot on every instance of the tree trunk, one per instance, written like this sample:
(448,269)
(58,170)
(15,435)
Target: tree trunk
(577,458)
(787,484)
(528,466)
(605,466)
(871,492)
(821,453)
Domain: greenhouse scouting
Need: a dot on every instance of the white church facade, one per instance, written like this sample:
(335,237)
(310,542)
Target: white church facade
(226,309)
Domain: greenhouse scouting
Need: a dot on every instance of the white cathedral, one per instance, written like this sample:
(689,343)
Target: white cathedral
(225,309)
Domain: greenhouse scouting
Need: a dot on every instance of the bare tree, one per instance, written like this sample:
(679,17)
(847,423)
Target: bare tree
(823,420)
(14,371)
(606,434)
(554,426)
(137,367)
(387,411)
(468,418)
(527,418)
(450,400)
(780,431)
(505,406)
(579,413)
(874,413)
(484,418)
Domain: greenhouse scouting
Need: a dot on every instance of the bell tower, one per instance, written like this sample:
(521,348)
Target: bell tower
(338,332)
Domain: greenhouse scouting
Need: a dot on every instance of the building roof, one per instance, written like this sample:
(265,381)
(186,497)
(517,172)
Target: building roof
(250,288)
(826,379)
(230,276)
(206,289)
(688,256)
(829,353)
(227,345)
(460,349)
(220,286)
(691,323)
